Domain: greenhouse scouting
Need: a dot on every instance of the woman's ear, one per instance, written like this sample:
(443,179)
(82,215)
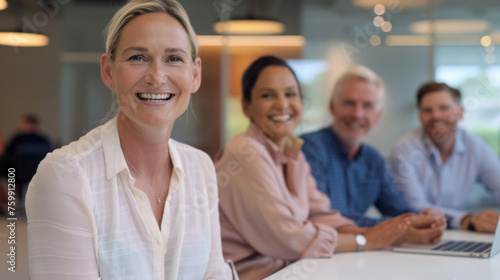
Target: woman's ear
(196,75)
(246,107)
(106,76)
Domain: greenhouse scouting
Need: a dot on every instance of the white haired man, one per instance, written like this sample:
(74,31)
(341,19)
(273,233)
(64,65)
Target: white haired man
(352,174)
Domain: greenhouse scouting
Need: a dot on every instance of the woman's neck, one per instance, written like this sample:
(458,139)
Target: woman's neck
(145,147)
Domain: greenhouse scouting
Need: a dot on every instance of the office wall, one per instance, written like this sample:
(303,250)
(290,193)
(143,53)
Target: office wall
(29,81)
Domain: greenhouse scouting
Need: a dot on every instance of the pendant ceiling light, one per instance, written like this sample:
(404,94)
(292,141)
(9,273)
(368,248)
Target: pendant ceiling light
(250,24)
(23,39)
(3,4)
(20,37)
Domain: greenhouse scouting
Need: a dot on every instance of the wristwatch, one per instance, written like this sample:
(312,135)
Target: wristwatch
(471,226)
(361,241)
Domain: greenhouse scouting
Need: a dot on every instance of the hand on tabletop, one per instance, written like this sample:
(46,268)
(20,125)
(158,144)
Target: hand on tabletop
(387,232)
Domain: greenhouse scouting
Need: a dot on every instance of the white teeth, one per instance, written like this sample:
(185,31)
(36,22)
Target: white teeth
(281,118)
(155,97)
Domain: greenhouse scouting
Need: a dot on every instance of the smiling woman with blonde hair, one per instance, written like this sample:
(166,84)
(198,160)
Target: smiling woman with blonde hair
(126,201)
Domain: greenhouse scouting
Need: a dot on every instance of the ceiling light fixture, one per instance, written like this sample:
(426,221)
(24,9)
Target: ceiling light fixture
(386,27)
(407,4)
(450,27)
(253,41)
(378,21)
(249,26)
(408,40)
(258,20)
(20,37)
(486,41)
(379,9)
(3,4)
(375,40)
(23,39)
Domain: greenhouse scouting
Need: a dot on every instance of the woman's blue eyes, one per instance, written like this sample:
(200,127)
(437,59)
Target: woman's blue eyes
(136,58)
(175,58)
(140,58)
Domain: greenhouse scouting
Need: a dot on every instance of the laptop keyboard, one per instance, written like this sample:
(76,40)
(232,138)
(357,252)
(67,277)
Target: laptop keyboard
(464,246)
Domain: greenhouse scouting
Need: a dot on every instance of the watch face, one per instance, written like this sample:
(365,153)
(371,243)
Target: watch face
(360,239)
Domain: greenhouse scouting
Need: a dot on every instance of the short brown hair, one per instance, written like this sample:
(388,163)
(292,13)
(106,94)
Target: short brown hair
(433,87)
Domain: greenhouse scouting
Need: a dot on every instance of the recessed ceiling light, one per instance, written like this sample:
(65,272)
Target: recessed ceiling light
(485,41)
(450,26)
(387,26)
(375,40)
(379,9)
(378,21)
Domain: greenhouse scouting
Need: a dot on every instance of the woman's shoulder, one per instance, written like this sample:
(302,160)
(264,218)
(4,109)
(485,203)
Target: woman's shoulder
(78,149)
(243,143)
(185,150)
(66,169)
(190,158)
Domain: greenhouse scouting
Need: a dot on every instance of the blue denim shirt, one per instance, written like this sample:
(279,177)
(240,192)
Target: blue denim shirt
(352,186)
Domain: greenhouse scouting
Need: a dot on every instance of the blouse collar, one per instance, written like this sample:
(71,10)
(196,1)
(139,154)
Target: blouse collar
(290,150)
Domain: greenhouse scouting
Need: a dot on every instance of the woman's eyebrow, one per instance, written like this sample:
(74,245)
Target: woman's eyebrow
(144,49)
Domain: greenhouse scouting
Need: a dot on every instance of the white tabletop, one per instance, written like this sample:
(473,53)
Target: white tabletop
(389,265)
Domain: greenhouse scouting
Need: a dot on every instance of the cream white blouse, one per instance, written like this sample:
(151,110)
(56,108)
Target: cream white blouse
(86,220)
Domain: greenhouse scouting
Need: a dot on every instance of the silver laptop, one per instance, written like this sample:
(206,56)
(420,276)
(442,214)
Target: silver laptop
(455,248)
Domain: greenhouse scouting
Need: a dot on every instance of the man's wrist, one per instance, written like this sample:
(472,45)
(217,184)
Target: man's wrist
(467,223)
(360,242)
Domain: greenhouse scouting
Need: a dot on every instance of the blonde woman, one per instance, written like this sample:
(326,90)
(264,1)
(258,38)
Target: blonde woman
(126,201)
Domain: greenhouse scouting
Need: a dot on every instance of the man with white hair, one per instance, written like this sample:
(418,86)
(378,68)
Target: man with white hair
(352,174)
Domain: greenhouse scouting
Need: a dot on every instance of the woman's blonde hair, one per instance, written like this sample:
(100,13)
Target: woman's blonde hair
(140,7)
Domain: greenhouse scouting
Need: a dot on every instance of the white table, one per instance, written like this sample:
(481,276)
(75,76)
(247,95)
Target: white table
(388,265)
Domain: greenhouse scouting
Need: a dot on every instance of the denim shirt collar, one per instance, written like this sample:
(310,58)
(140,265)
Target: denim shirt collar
(339,148)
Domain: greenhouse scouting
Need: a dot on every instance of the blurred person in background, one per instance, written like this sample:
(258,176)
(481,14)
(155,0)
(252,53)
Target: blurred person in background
(25,151)
(351,173)
(438,164)
(272,213)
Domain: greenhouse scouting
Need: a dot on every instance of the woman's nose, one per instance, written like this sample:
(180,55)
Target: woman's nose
(156,75)
(281,103)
